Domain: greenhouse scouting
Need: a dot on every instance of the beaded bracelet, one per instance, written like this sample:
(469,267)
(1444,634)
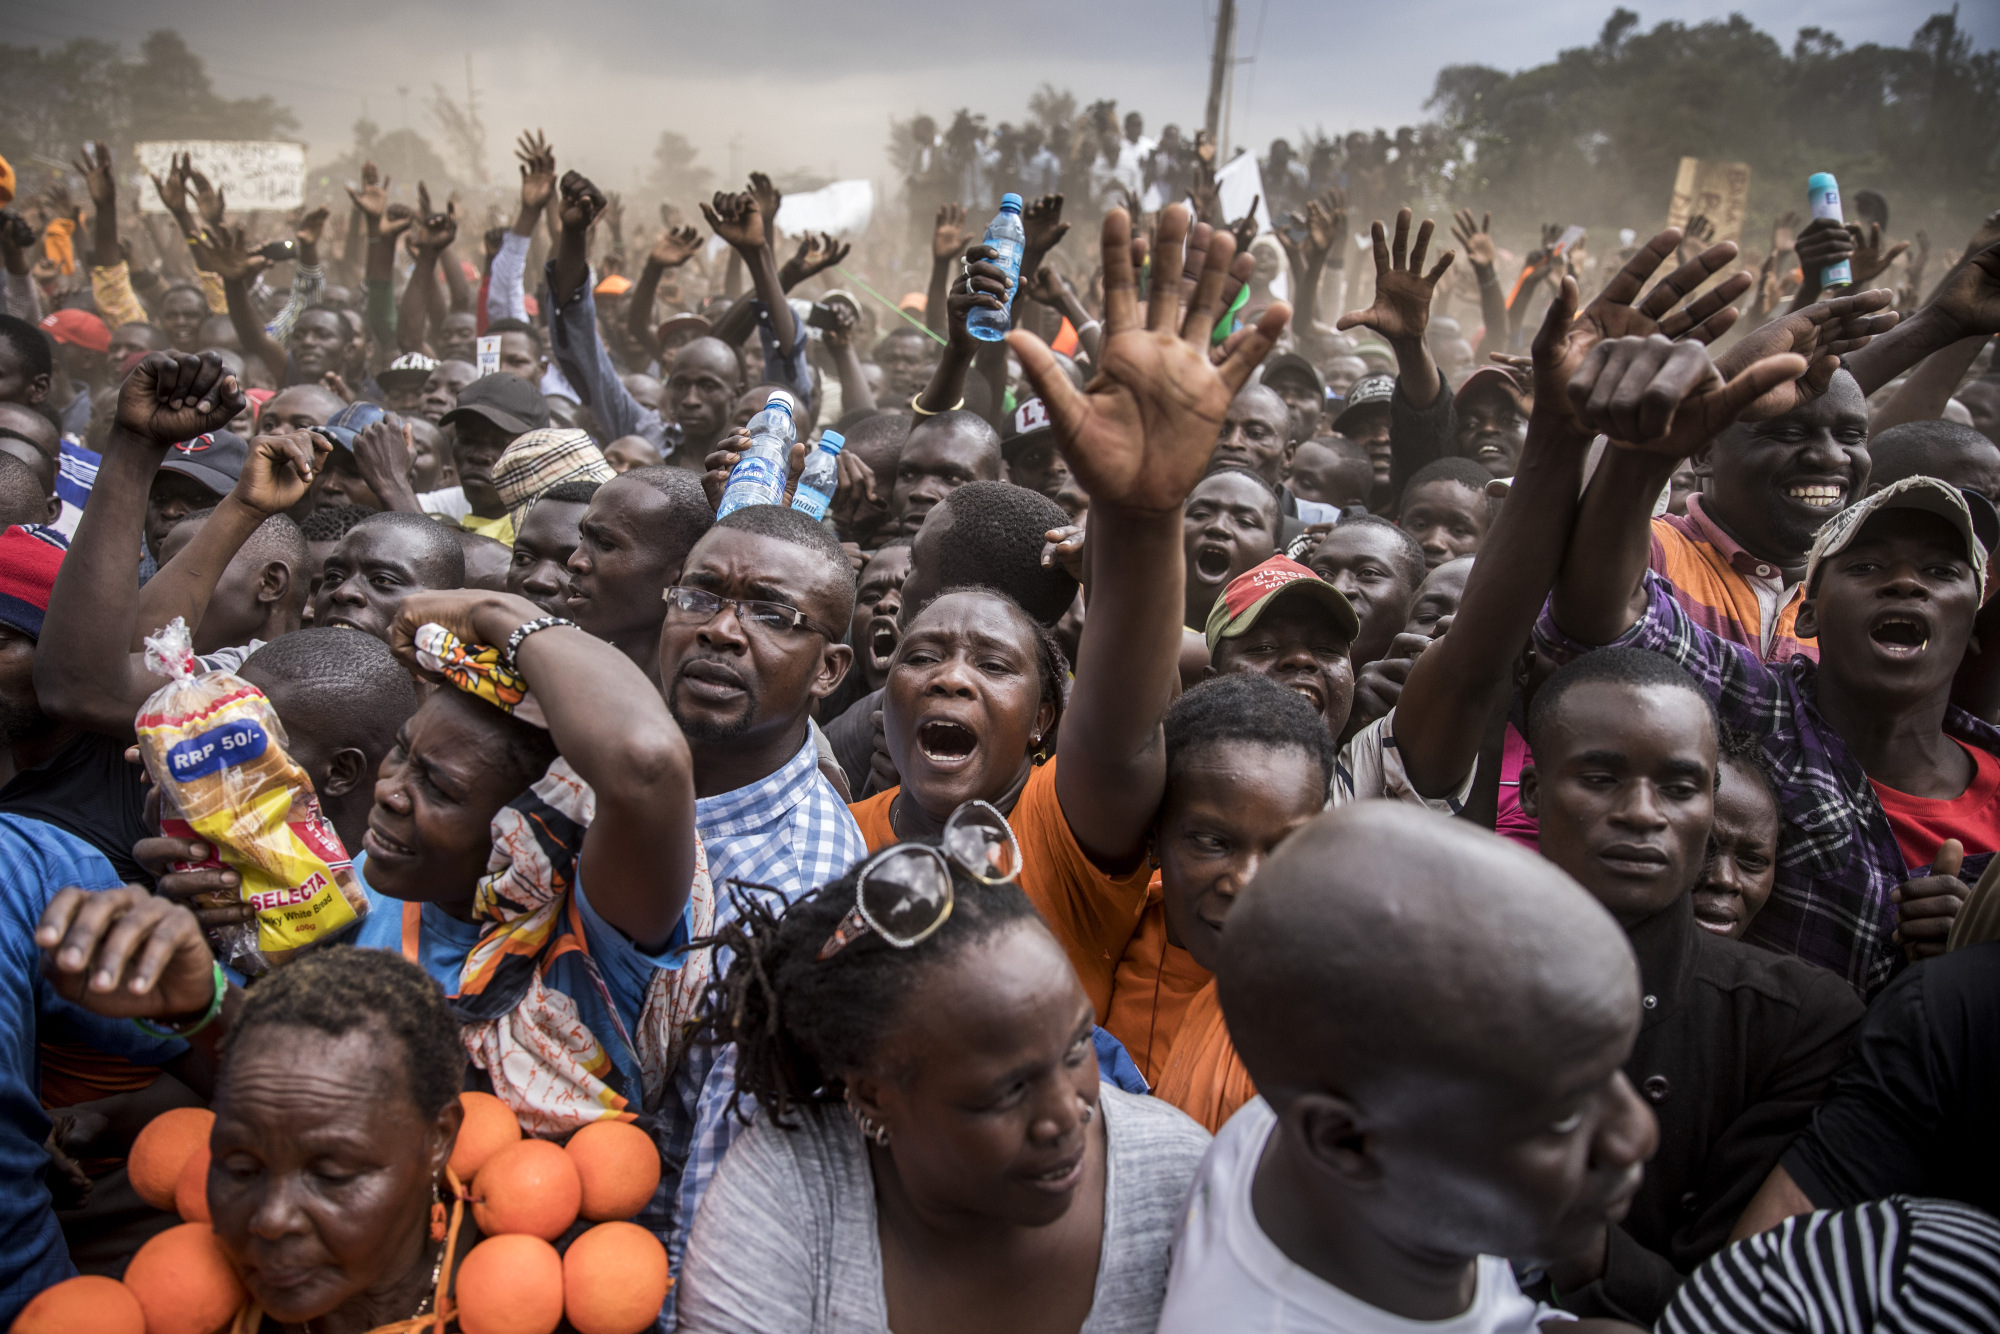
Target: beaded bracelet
(522,632)
(151,1029)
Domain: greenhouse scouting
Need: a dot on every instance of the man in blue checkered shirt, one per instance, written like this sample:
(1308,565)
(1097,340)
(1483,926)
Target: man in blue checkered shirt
(753,636)
(1889,793)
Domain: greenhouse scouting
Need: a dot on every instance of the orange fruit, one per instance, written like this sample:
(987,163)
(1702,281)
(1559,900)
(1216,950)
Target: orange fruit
(614,1279)
(89,1301)
(184,1282)
(510,1285)
(489,1126)
(191,1191)
(529,1187)
(162,1149)
(619,1168)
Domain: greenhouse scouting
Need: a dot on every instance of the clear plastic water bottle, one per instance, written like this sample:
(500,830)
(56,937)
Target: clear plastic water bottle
(821,477)
(1006,235)
(759,475)
(1823,197)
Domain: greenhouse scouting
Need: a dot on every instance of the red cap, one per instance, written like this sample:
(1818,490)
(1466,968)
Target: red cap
(1237,607)
(79,327)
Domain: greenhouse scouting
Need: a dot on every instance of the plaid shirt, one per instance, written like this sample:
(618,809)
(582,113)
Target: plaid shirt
(790,832)
(1838,860)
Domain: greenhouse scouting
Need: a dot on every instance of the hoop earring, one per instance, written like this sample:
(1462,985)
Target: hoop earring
(870,1127)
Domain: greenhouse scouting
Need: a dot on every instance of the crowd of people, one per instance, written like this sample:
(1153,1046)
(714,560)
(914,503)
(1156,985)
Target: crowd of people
(1233,817)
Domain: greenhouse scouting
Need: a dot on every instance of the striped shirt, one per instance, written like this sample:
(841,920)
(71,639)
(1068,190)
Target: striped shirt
(1897,1266)
(1727,591)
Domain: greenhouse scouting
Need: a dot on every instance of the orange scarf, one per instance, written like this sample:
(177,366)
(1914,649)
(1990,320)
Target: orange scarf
(1204,1076)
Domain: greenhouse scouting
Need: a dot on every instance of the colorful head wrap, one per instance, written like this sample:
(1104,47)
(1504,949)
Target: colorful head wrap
(58,245)
(544,1061)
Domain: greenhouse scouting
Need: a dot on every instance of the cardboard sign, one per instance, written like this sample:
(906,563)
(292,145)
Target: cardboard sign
(489,354)
(251,173)
(1719,191)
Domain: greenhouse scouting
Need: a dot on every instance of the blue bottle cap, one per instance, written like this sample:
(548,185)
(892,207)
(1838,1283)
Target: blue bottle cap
(1011,200)
(832,441)
(1821,180)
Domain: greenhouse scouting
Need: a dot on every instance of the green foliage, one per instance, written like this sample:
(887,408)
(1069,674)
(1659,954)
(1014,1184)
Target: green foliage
(52,101)
(1596,134)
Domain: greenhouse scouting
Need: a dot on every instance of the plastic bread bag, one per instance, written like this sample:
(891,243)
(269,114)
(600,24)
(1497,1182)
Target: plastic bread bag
(216,750)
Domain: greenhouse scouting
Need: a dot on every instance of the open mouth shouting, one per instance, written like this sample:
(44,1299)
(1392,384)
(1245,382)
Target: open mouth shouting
(945,744)
(882,638)
(1900,635)
(1211,562)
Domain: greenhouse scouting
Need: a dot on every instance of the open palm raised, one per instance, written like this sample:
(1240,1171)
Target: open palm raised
(1139,435)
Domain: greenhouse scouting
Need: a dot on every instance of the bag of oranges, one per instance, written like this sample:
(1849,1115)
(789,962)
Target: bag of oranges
(215,748)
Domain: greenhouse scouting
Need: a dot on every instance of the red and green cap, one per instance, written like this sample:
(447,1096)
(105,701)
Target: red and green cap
(1253,592)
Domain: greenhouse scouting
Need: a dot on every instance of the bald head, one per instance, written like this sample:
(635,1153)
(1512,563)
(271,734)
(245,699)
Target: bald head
(1383,943)
(298,407)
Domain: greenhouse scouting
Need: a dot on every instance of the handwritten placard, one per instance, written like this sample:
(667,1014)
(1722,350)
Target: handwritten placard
(251,173)
(1718,191)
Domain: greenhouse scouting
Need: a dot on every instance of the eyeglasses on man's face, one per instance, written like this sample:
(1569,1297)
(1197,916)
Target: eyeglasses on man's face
(698,606)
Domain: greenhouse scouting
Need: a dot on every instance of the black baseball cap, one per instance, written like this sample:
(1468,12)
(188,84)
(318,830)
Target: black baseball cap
(1291,363)
(1366,392)
(215,460)
(1025,425)
(508,401)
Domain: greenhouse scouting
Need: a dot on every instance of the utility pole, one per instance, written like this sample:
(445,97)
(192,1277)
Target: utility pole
(1218,73)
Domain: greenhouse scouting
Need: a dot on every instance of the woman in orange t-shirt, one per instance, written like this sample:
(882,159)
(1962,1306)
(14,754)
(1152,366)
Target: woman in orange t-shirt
(1248,762)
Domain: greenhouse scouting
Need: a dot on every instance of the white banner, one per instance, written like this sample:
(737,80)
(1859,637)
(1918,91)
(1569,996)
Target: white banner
(844,206)
(252,174)
(1237,184)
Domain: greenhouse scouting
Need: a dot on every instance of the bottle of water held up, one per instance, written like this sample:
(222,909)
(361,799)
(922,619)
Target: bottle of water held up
(1823,197)
(821,477)
(1006,236)
(759,475)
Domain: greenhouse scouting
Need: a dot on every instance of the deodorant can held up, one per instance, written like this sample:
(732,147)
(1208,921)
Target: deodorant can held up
(1823,197)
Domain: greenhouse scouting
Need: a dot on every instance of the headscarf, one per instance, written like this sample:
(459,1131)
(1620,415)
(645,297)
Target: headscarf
(541,459)
(6,182)
(58,246)
(544,1061)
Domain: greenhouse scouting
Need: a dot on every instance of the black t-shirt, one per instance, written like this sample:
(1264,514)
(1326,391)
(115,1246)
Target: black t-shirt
(1915,1109)
(88,789)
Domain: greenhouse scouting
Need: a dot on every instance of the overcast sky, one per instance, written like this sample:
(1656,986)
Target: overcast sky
(785,84)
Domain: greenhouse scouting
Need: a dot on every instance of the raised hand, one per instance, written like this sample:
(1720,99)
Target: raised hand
(1049,288)
(1475,237)
(768,198)
(675,247)
(1822,243)
(125,953)
(1821,333)
(224,251)
(396,219)
(173,190)
(1664,397)
(279,470)
(433,231)
(1042,222)
(1140,435)
(372,198)
(208,199)
(538,171)
(95,168)
(979,283)
(1970,294)
(309,226)
(582,202)
(736,219)
(1869,257)
(1244,229)
(1403,291)
(816,254)
(1566,337)
(170,397)
(948,236)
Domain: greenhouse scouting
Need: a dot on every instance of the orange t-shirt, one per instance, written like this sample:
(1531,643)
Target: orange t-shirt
(1151,988)
(1092,914)
(1204,1077)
